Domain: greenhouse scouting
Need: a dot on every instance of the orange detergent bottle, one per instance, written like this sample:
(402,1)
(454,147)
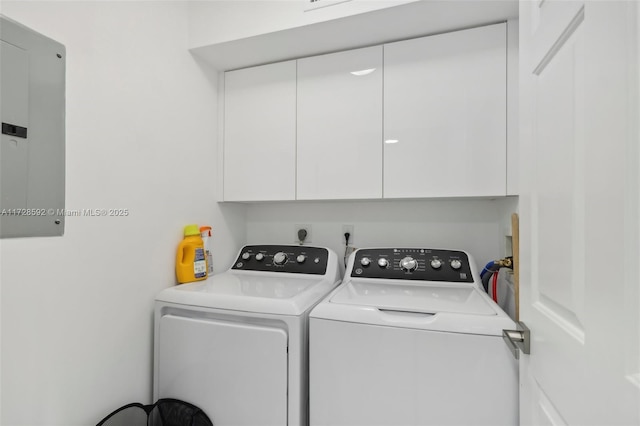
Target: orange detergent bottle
(191,262)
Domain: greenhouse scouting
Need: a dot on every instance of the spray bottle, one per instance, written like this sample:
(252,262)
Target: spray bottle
(205,233)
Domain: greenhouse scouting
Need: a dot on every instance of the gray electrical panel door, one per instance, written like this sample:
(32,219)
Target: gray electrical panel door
(32,111)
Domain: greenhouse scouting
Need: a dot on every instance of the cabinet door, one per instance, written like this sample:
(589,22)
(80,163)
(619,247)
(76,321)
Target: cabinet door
(340,125)
(445,115)
(260,133)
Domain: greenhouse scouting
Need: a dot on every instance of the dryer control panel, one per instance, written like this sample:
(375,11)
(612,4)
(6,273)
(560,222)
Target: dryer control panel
(412,264)
(275,258)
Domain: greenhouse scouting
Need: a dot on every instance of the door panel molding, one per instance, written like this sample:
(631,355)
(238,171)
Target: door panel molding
(559,43)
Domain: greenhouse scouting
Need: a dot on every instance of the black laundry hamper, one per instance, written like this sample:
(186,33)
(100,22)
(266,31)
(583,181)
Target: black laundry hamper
(165,412)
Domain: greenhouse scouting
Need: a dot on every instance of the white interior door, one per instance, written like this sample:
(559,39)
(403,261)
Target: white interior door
(579,212)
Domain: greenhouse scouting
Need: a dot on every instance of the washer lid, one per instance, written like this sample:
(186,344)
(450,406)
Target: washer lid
(429,306)
(275,293)
(420,298)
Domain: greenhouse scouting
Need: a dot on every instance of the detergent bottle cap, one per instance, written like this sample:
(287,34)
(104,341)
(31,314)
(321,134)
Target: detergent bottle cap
(191,230)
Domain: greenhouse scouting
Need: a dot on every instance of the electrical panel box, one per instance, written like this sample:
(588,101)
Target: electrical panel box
(32,154)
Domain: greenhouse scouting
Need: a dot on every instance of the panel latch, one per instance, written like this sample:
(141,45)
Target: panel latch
(518,340)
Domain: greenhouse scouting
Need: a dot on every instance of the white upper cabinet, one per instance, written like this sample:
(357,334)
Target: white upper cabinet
(445,115)
(339,112)
(260,133)
(420,118)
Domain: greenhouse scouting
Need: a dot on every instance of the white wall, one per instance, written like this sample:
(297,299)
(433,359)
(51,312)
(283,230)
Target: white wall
(214,22)
(76,310)
(232,34)
(477,226)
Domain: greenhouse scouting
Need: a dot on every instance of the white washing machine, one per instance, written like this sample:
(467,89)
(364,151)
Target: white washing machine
(236,345)
(410,338)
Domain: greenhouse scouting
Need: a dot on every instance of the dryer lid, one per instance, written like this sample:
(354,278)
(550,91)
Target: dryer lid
(274,293)
(419,298)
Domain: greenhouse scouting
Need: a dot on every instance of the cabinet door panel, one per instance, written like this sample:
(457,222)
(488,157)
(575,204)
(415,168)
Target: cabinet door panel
(260,133)
(445,105)
(340,125)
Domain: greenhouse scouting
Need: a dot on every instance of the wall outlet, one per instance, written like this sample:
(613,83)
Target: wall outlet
(306,227)
(349,229)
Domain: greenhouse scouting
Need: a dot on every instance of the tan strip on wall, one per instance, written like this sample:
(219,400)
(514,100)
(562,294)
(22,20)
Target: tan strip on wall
(515,239)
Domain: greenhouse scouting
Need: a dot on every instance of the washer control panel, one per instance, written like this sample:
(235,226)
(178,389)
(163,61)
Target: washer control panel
(412,264)
(292,259)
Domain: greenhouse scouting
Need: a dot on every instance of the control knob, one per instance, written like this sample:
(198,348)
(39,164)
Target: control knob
(436,263)
(246,255)
(259,257)
(456,264)
(408,264)
(383,262)
(280,258)
(365,261)
(301,258)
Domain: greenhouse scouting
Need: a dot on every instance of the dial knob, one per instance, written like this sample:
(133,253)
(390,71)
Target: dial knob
(280,258)
(383,262)
(408,264)
(365,261)
(246,255)
(259,257)
(456,264)
(301,258)
(436,263)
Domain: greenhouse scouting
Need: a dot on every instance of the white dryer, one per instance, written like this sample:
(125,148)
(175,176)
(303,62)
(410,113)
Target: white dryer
(409,338)
(236,345)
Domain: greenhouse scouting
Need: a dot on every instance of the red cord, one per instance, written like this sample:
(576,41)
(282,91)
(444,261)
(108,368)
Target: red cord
(494,286)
